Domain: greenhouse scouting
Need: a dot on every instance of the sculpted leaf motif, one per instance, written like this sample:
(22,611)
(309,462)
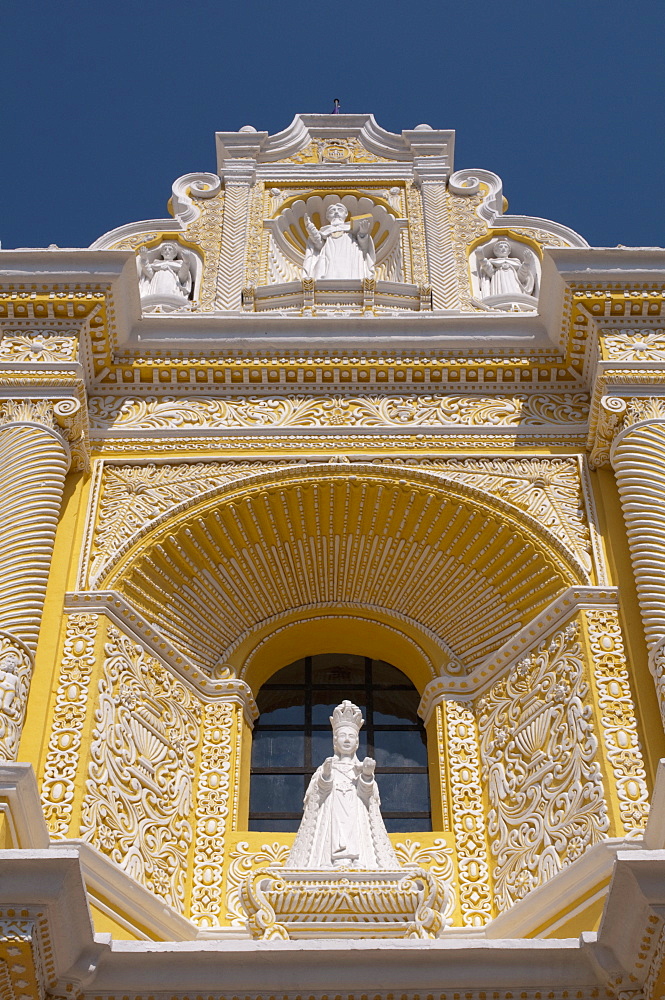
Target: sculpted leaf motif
(133,495)
(139,787)
(436,410)
(544,783)
(242,861)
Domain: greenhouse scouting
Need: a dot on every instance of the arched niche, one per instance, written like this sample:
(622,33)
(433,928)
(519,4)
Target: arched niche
(293,736)
(302,633)
(466,568)
(289,235)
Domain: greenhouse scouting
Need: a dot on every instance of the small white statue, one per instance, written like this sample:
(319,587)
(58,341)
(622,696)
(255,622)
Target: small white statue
(342,825)
(335,252)
(8,681)
(165,272)
(503,274)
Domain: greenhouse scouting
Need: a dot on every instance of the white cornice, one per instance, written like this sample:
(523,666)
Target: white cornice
(265,148)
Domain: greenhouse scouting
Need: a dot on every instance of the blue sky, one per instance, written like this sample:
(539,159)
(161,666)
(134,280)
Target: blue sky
(104,104)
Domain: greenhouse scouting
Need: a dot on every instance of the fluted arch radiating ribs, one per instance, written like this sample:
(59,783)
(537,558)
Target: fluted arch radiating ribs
(456,567)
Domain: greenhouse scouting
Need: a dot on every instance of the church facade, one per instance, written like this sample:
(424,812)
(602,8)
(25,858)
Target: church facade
(340,426)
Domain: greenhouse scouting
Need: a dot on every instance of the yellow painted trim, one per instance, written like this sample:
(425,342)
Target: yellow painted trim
(62,577)
(615,542)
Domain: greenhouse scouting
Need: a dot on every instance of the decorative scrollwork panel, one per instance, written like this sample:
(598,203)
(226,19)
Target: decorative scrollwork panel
(139,791)
(539,754)
(619,726)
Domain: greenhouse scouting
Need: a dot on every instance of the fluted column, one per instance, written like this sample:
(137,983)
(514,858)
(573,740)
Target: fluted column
(34,459)
(638,458)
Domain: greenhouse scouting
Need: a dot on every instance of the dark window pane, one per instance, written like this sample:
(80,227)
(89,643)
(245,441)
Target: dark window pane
(338,668)
(276,793)
(403,792)
(293,732)
(324,702)
(405,749)
(408,825)
(276,825)
(383,673)
(396,707)
(322,746)
(281,708)
(278,749)
(293,674)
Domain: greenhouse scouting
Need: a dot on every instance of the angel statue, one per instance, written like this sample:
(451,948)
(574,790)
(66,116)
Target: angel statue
(165,272)
(342,825)
(503,274)
(335,251)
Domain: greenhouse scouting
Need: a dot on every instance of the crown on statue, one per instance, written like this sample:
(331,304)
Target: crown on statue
(347,714)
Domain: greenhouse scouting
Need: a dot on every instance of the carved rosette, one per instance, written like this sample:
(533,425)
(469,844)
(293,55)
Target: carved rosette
(617,717)
(33,346)
(69,715)
(221,726)
(139,790)
(539,754)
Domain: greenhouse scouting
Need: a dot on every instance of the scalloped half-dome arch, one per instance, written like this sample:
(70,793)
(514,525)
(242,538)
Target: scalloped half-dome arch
(467,568)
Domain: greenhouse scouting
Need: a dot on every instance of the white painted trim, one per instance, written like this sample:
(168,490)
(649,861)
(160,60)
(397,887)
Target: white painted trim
(543,906)
(22,808)
(560,610)
(125,896)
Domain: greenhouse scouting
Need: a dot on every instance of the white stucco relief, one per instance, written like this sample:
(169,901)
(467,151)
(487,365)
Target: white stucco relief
(342,824)
(166,277)
(340,249)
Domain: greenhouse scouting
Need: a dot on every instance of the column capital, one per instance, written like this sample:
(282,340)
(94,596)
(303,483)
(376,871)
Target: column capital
(617,410)
(64,417)
(431,170)
(240,173)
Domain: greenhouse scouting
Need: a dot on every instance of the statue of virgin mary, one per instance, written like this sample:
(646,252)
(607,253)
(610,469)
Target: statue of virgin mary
(342,826)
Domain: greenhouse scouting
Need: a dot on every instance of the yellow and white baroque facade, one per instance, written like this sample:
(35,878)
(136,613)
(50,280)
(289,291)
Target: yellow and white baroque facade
(414,467)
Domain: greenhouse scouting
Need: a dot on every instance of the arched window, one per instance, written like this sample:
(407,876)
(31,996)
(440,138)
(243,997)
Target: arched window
(293,736)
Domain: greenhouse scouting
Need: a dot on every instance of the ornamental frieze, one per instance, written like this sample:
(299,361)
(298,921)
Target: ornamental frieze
(412,410)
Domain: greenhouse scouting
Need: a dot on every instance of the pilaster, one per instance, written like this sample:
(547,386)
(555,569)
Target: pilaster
(431,174)
(238,177)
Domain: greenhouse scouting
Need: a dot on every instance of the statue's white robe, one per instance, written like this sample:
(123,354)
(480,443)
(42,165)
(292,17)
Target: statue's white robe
(339,256)
(342,824)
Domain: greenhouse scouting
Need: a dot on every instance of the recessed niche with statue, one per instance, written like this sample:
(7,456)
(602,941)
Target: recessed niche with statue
(336,251)
(342,875)
(168,277)
(506,275)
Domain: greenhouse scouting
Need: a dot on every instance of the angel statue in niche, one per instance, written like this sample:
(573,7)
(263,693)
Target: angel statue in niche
(501,272)
(165,272)
(342,826)
(339,250)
